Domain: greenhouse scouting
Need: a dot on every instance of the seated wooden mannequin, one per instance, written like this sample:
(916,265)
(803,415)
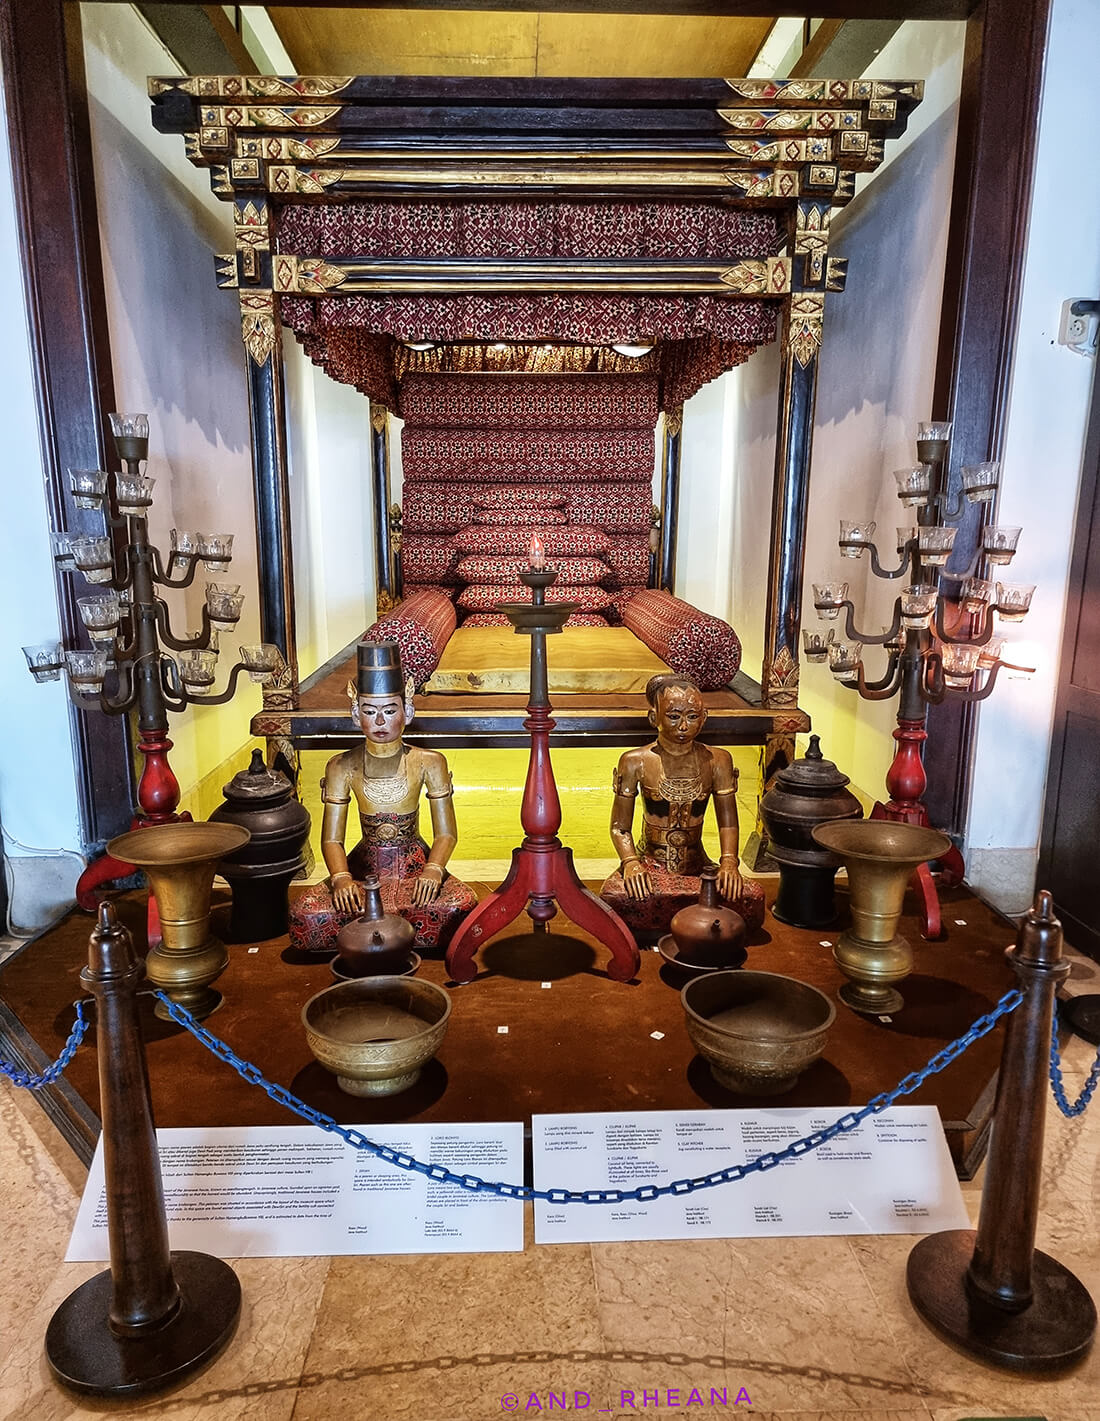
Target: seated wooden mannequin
(385,778)
(676,777)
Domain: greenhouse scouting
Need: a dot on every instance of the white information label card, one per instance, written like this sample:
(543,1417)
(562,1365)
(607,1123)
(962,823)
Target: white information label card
(269,1191)
(892,1174)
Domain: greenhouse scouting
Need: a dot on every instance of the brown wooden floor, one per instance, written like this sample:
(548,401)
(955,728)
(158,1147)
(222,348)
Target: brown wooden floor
(582,1043)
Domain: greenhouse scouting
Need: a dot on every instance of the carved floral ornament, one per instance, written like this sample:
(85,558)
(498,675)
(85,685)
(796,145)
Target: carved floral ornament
(244,86)
(806,322)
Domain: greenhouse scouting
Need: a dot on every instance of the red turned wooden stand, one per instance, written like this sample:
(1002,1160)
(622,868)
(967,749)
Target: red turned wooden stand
(992,1292)
(906,782)
(542,877)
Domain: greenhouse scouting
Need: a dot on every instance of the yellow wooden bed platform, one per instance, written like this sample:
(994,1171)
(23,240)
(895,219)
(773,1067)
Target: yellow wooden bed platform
(580,661)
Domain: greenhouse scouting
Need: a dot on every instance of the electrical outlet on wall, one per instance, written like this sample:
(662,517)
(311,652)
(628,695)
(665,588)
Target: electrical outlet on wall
(1079,325)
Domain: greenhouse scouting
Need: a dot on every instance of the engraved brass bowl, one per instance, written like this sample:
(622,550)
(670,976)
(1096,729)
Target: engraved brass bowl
(758,1031)
(375,1033)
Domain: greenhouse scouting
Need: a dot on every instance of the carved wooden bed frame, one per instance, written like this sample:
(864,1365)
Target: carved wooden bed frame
(790,145)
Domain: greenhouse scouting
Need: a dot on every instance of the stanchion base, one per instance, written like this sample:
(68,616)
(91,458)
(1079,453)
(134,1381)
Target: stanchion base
(1055,1330)
(1082,1015)
(86,1355)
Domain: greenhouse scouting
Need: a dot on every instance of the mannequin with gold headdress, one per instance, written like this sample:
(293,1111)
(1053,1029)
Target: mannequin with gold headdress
(384,779)
(675,778)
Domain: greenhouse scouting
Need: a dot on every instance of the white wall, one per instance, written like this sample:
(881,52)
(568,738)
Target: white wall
(874,385)
(38,801)
(1042,466)
(176,347)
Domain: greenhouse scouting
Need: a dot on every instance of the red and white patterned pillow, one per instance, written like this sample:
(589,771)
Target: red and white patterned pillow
(483,597)
(427,508)
(496,457)
(566,542)
(498,619)
(625,508)
(520,517)
(505,571)
(628,559)
(427,559)
(521,496)
(421,625)
(703,648)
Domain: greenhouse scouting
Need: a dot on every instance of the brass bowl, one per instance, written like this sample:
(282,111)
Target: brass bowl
(375,1033)
(758,1031)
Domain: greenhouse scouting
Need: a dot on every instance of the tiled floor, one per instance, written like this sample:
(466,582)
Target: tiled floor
(808,1328)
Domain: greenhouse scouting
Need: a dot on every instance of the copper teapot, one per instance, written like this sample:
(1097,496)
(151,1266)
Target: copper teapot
(377,942)
(706,933)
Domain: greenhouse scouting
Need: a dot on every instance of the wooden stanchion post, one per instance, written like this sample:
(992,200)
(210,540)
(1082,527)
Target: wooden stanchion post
(155,1316)
(991,1292)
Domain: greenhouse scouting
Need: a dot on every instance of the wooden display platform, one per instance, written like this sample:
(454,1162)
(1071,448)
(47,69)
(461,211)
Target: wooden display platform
(575,1040)
(494,719)
(579,661)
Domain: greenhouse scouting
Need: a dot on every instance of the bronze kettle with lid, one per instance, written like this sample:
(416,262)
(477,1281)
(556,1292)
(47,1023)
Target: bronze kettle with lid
(706,933)
(376,943)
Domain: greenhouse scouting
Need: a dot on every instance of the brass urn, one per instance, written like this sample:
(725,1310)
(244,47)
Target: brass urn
(809,792)
(376,942)
(179,860)
(880,856)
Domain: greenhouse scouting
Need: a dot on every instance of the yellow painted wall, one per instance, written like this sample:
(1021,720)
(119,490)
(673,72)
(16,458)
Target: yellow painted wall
(489,790)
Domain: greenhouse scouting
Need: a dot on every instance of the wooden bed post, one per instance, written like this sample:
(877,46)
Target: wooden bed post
(813,273)
(386,566)
(670,495)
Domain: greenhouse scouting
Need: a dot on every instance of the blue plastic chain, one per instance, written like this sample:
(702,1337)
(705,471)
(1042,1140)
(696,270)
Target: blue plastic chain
(1081,1104)
(27,1079)
(1009,1002)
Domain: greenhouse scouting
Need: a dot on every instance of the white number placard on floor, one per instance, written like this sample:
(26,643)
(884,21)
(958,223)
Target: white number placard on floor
(893,1174)
(293,1190)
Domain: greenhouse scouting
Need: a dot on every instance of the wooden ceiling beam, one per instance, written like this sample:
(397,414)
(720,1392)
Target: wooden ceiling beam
(750,9)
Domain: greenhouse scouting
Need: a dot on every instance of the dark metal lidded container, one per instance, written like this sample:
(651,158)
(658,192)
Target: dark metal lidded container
(805,794)
(262,800)
(376,943)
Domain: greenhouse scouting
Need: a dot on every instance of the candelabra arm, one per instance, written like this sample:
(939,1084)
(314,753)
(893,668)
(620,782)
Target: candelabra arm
(854,634)
(932,686)
(127,697)
(120,581)
(175,697)
(979,639)
(879,690)
(946,512)
(165,579)
(226,696)
(880,571)
(195,643)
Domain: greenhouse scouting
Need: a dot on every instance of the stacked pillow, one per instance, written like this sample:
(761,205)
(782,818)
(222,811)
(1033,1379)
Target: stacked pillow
(700,647)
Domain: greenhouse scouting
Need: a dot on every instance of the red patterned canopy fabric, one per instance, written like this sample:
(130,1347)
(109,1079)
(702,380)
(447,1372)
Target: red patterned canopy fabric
(353,337)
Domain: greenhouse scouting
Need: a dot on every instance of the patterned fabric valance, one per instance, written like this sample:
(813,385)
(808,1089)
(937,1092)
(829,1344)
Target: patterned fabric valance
(357,338)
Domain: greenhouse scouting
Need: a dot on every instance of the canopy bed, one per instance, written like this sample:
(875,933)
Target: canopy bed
(535,274)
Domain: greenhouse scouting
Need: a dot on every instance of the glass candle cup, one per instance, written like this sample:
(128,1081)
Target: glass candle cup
(827,599)
(936,429)
(815,646)
(100,615)
(198,668)
(216,550)
(87,670)
(88,486)
(979,481)
(183,544)
(935,544)
(134,493)
(131,435)
(896,638)
(224,607)
(93,557)
(63,551)
(906,536)
(1013,600)
(854,537)
(959,664)
(974,594)
(45,660)
(230,589)
(844,660)
(998,543)
(990,653)
(262,661)
(917,605)
(914,485)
